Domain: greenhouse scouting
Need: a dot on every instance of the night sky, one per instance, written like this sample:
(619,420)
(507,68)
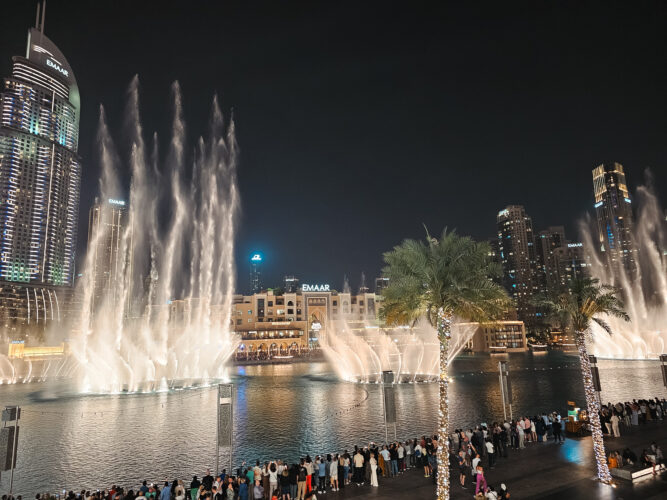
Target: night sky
(359,122)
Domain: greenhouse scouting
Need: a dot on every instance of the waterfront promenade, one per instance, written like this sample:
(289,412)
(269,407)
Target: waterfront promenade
(544,471)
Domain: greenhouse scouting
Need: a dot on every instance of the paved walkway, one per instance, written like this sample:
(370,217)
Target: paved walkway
(542,470)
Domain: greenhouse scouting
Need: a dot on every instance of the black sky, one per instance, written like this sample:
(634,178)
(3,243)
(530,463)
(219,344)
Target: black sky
(359,121)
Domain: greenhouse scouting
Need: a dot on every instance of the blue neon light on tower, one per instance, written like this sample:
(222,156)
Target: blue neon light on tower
(256,260)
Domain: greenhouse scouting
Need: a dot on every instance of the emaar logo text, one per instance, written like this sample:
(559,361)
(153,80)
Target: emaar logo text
(57,67)
(315,288)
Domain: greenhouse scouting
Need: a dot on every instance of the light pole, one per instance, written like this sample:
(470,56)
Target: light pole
(9,437)
(596,376)
(388,402)
(505,386)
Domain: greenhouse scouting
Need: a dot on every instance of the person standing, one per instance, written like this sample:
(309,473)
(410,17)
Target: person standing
(480,481)
(310,469)
(258,490)
(556,430)
(207,481)
(615,419)
(490,452)
(461,459)
(301,480)
(321,476)
(374,471)
(243,489)
(358,468)
(333,473)
(393,454)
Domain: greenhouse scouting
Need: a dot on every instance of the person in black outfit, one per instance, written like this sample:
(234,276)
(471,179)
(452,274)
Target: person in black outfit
(556,430)
(207,481)
(194,485)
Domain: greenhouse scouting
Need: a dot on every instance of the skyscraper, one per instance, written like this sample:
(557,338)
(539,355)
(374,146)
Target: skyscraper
(40,170)
(108,245)
(572,263)
(613,209)
(517,256)
(291,284)
(256,272)
(546,243)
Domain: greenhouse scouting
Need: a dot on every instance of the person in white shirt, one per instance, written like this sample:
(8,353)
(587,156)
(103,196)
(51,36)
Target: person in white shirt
(401,457)
(358,468)
(475,463)
(490,452)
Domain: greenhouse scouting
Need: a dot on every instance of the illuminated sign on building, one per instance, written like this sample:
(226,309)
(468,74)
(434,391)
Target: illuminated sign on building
(117,202)
(56,66)
(256,258)
(575,245)
(315,288)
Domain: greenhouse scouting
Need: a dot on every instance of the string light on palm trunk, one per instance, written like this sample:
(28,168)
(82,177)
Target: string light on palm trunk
(445,335)
(593,411)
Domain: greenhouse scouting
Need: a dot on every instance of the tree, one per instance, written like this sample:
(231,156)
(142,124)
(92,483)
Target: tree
(584,302)
(439,279)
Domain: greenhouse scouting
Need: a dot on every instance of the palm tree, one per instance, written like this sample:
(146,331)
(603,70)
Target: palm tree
(439,279)
(585,301)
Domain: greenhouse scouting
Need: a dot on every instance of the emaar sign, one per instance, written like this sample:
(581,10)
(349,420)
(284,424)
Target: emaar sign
(315,288)
(56,66)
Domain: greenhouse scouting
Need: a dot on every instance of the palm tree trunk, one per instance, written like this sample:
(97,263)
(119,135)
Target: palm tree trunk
(593,409)
(444,335)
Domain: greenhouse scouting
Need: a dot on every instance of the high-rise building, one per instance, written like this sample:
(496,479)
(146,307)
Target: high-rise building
(517,256)
(546,243)
(380,284)
(572,263)
(613,209)
(108,246)
(256,272)
(40,170)
(291,284)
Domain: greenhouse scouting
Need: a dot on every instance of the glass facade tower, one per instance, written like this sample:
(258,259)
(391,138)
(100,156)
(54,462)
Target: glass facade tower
(613,210)
(40,170)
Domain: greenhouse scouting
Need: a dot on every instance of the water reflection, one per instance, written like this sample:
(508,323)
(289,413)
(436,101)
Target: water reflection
(282,411)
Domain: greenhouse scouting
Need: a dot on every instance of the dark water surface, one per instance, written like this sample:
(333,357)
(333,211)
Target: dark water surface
(282,411)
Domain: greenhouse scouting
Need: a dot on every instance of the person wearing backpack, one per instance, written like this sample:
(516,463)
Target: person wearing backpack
(301,481)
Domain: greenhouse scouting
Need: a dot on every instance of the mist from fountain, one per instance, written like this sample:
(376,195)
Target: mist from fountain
(165,320)
(644,296)
(361,351)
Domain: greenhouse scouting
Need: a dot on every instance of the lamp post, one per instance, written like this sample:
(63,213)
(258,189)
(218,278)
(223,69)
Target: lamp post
(388,403)
(224,429)
(505,386)
(596,376)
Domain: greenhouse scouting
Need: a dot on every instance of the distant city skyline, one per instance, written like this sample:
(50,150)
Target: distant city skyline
(357,129)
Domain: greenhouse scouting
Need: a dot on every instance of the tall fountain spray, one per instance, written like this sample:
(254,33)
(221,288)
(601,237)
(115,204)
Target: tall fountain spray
(360,351)
(165,318)
(644,295)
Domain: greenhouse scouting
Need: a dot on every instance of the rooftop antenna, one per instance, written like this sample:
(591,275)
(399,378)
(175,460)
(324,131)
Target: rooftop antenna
(43,16)
(37,16)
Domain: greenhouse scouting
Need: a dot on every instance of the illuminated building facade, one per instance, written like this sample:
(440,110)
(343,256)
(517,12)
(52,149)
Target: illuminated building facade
(613,210)
(516,250)
(256,260)
(502,336)
(546,243)
(40,170)
(108,245)
(291,284)
(291,324)
(572,263)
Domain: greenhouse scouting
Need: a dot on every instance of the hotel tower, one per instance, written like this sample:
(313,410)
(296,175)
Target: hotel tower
(40,170)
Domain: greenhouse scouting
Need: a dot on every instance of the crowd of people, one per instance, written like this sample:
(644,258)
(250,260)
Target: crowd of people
(470,451)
